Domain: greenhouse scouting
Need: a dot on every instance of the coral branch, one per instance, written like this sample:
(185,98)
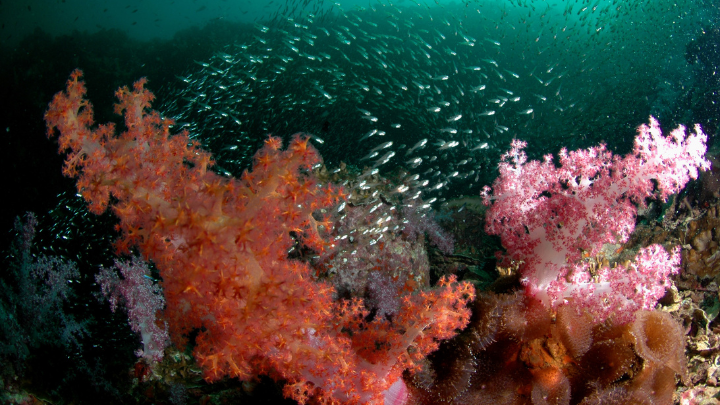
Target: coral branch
(142,299)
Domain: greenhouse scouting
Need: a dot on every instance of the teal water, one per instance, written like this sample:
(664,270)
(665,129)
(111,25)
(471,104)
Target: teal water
(465,78)
(428,92)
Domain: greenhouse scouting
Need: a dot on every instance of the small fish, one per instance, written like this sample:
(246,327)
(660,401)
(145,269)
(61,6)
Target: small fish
(317,139)
(382,146)
(370,155)
(384,159)
(454,118)
(487,113)
(414,162)
(448,145)
(421,144)
(369,134)
(323,92)
(375,207)
(492,62)
(526,112)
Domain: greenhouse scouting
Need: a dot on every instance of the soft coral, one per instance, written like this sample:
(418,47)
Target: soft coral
(221,246)
(550,217)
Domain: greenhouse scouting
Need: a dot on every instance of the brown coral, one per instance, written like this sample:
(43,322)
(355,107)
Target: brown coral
(701,254)
(518,352)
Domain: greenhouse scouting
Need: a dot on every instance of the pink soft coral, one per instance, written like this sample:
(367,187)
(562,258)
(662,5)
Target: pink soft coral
(550,217)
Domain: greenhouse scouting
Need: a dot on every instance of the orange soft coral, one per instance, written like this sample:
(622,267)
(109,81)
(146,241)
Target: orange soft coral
(221,246)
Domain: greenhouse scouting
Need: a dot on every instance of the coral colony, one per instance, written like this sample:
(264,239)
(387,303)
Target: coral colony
(221,246)
(550,217)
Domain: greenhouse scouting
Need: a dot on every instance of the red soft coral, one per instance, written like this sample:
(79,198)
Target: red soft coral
(221,246)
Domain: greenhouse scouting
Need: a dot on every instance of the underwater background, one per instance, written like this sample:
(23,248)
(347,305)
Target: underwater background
(432,91)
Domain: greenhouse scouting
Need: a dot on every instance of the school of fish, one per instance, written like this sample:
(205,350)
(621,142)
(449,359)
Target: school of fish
(439,90)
